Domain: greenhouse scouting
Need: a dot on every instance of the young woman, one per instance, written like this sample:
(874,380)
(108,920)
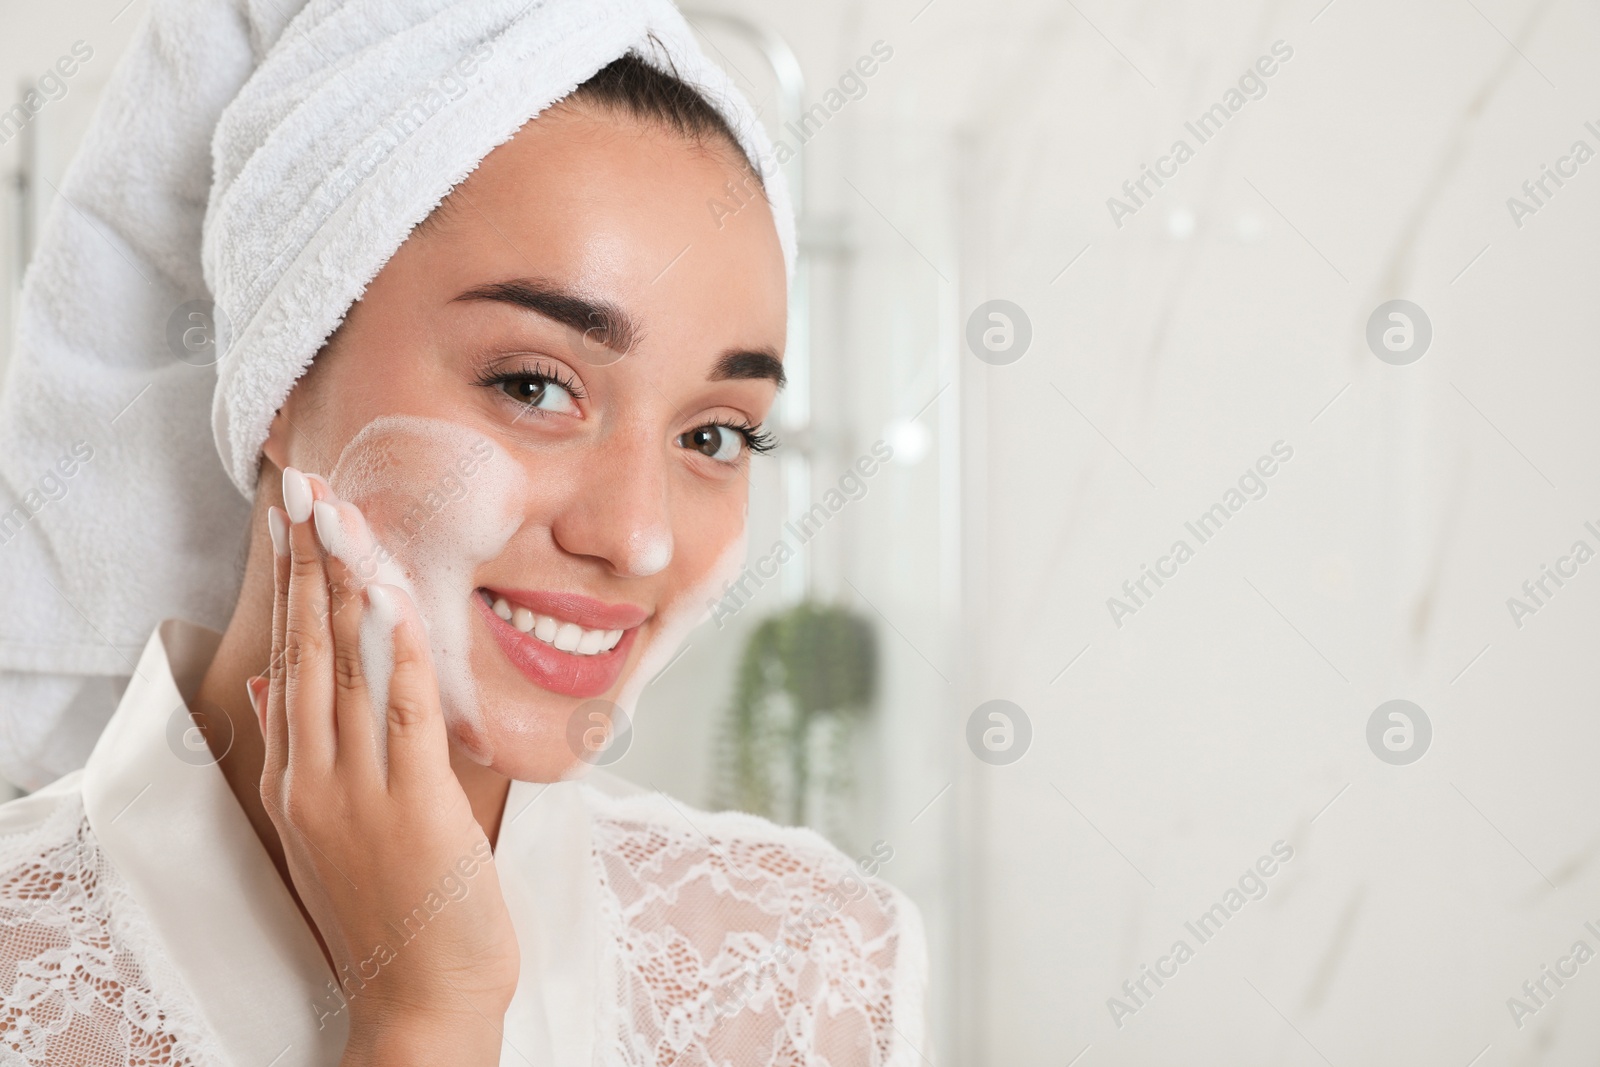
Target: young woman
(482,518)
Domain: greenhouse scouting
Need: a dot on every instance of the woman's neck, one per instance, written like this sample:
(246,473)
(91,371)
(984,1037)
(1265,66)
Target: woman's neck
(244,653)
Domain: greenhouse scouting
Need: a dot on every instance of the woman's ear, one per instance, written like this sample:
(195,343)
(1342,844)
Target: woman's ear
(301,409)
(298,410)
(276,446)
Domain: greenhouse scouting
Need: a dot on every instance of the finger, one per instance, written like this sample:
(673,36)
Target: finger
(350,540)
(358,549)
(357,752)
(274,724)
(308,641)
(418,746)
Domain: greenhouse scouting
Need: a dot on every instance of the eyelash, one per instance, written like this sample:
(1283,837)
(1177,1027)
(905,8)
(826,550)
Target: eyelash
(537,372)
(756,440)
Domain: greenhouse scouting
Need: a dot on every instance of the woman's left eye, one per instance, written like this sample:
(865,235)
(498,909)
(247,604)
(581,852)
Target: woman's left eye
(539,392)
(725,444)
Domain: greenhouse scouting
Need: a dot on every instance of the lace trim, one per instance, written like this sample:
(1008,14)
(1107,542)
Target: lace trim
(740,942)
(83,978)
(725,940)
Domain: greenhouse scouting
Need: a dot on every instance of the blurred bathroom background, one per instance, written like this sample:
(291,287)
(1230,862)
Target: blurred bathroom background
(1195,346)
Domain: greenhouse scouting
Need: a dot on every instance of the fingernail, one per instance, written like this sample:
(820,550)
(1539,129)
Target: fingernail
(253,688)
(296,495)
(381,601)
(278,526)
(329,532)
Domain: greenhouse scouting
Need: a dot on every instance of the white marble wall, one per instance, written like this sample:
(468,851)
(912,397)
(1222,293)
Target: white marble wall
(1230,712)
(1227,314)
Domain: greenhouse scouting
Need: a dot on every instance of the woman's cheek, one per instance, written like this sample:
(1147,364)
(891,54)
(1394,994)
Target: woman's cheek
(442,500)
(688,605)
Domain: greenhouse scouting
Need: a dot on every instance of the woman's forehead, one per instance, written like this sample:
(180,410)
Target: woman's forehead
(623,215)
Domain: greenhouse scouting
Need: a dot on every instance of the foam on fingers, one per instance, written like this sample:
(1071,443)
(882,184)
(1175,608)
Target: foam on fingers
(344,533)
(377,660)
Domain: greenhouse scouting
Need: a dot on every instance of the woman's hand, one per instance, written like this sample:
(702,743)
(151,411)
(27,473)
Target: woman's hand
(380,839)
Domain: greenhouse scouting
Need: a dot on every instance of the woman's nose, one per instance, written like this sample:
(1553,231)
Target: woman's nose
(618,513)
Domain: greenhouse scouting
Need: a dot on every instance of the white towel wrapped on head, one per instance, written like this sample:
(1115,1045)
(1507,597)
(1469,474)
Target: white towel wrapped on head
(289,148)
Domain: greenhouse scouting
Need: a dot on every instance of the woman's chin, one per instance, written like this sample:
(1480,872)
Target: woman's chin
(513,753)
(525,730)
(527,733)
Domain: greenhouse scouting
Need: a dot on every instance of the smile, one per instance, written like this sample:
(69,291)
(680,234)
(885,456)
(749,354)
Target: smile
(566,636)
(562,642)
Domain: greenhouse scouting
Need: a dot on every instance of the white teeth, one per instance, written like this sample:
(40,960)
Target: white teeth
(566,636)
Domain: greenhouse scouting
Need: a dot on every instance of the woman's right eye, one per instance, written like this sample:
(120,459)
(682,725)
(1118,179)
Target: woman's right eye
(540,392)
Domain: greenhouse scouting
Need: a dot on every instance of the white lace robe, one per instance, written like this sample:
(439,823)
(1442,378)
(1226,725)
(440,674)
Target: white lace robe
(142,923)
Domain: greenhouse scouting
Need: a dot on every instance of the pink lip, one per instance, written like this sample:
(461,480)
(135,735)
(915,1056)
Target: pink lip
(550,668)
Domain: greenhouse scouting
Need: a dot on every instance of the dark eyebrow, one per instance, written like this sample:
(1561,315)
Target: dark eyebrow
(758,364)
(615,329)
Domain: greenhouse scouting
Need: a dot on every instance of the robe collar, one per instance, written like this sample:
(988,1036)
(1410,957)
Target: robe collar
(166,818)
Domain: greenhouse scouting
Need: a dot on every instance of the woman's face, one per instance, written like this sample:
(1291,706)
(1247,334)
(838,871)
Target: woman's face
(547,398)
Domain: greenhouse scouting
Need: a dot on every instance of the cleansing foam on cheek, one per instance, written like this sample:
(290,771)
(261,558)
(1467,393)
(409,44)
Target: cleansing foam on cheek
(344,532)
(440,501)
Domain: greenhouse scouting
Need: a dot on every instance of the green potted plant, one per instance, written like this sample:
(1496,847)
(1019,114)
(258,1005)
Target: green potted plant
(807,677)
